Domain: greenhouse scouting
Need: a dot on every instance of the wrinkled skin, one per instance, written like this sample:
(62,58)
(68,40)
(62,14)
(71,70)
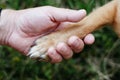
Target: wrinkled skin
(23,27)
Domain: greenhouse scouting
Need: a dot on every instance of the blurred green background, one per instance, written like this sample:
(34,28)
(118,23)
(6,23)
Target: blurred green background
(99,61)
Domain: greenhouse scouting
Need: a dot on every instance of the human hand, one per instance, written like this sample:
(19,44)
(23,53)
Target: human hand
(23,27)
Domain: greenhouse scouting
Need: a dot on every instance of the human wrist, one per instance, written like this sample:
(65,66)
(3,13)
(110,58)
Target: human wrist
(6,21)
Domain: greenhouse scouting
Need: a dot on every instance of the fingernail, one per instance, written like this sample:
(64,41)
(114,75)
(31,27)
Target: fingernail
(82,12)
(89,39)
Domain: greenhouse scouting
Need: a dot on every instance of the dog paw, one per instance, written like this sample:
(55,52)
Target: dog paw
(39,50)
(42,44)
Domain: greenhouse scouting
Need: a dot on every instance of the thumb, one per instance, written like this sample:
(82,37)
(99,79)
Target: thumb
(62,15)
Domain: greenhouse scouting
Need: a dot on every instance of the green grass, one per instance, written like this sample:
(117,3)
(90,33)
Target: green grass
(99,61)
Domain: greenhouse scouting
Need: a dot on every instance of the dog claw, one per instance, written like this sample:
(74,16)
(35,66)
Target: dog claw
(34,55)
(44,58)
(39,56)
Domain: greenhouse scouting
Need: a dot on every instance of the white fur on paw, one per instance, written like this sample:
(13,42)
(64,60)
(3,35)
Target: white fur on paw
(42,44)
(38,53)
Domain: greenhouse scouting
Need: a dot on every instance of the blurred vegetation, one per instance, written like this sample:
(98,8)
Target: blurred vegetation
(99,61)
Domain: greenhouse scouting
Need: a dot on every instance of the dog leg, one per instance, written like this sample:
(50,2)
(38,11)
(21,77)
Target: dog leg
(117,19)
(101,16)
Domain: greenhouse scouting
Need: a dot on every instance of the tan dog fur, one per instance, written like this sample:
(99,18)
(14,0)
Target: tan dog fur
(107,14)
